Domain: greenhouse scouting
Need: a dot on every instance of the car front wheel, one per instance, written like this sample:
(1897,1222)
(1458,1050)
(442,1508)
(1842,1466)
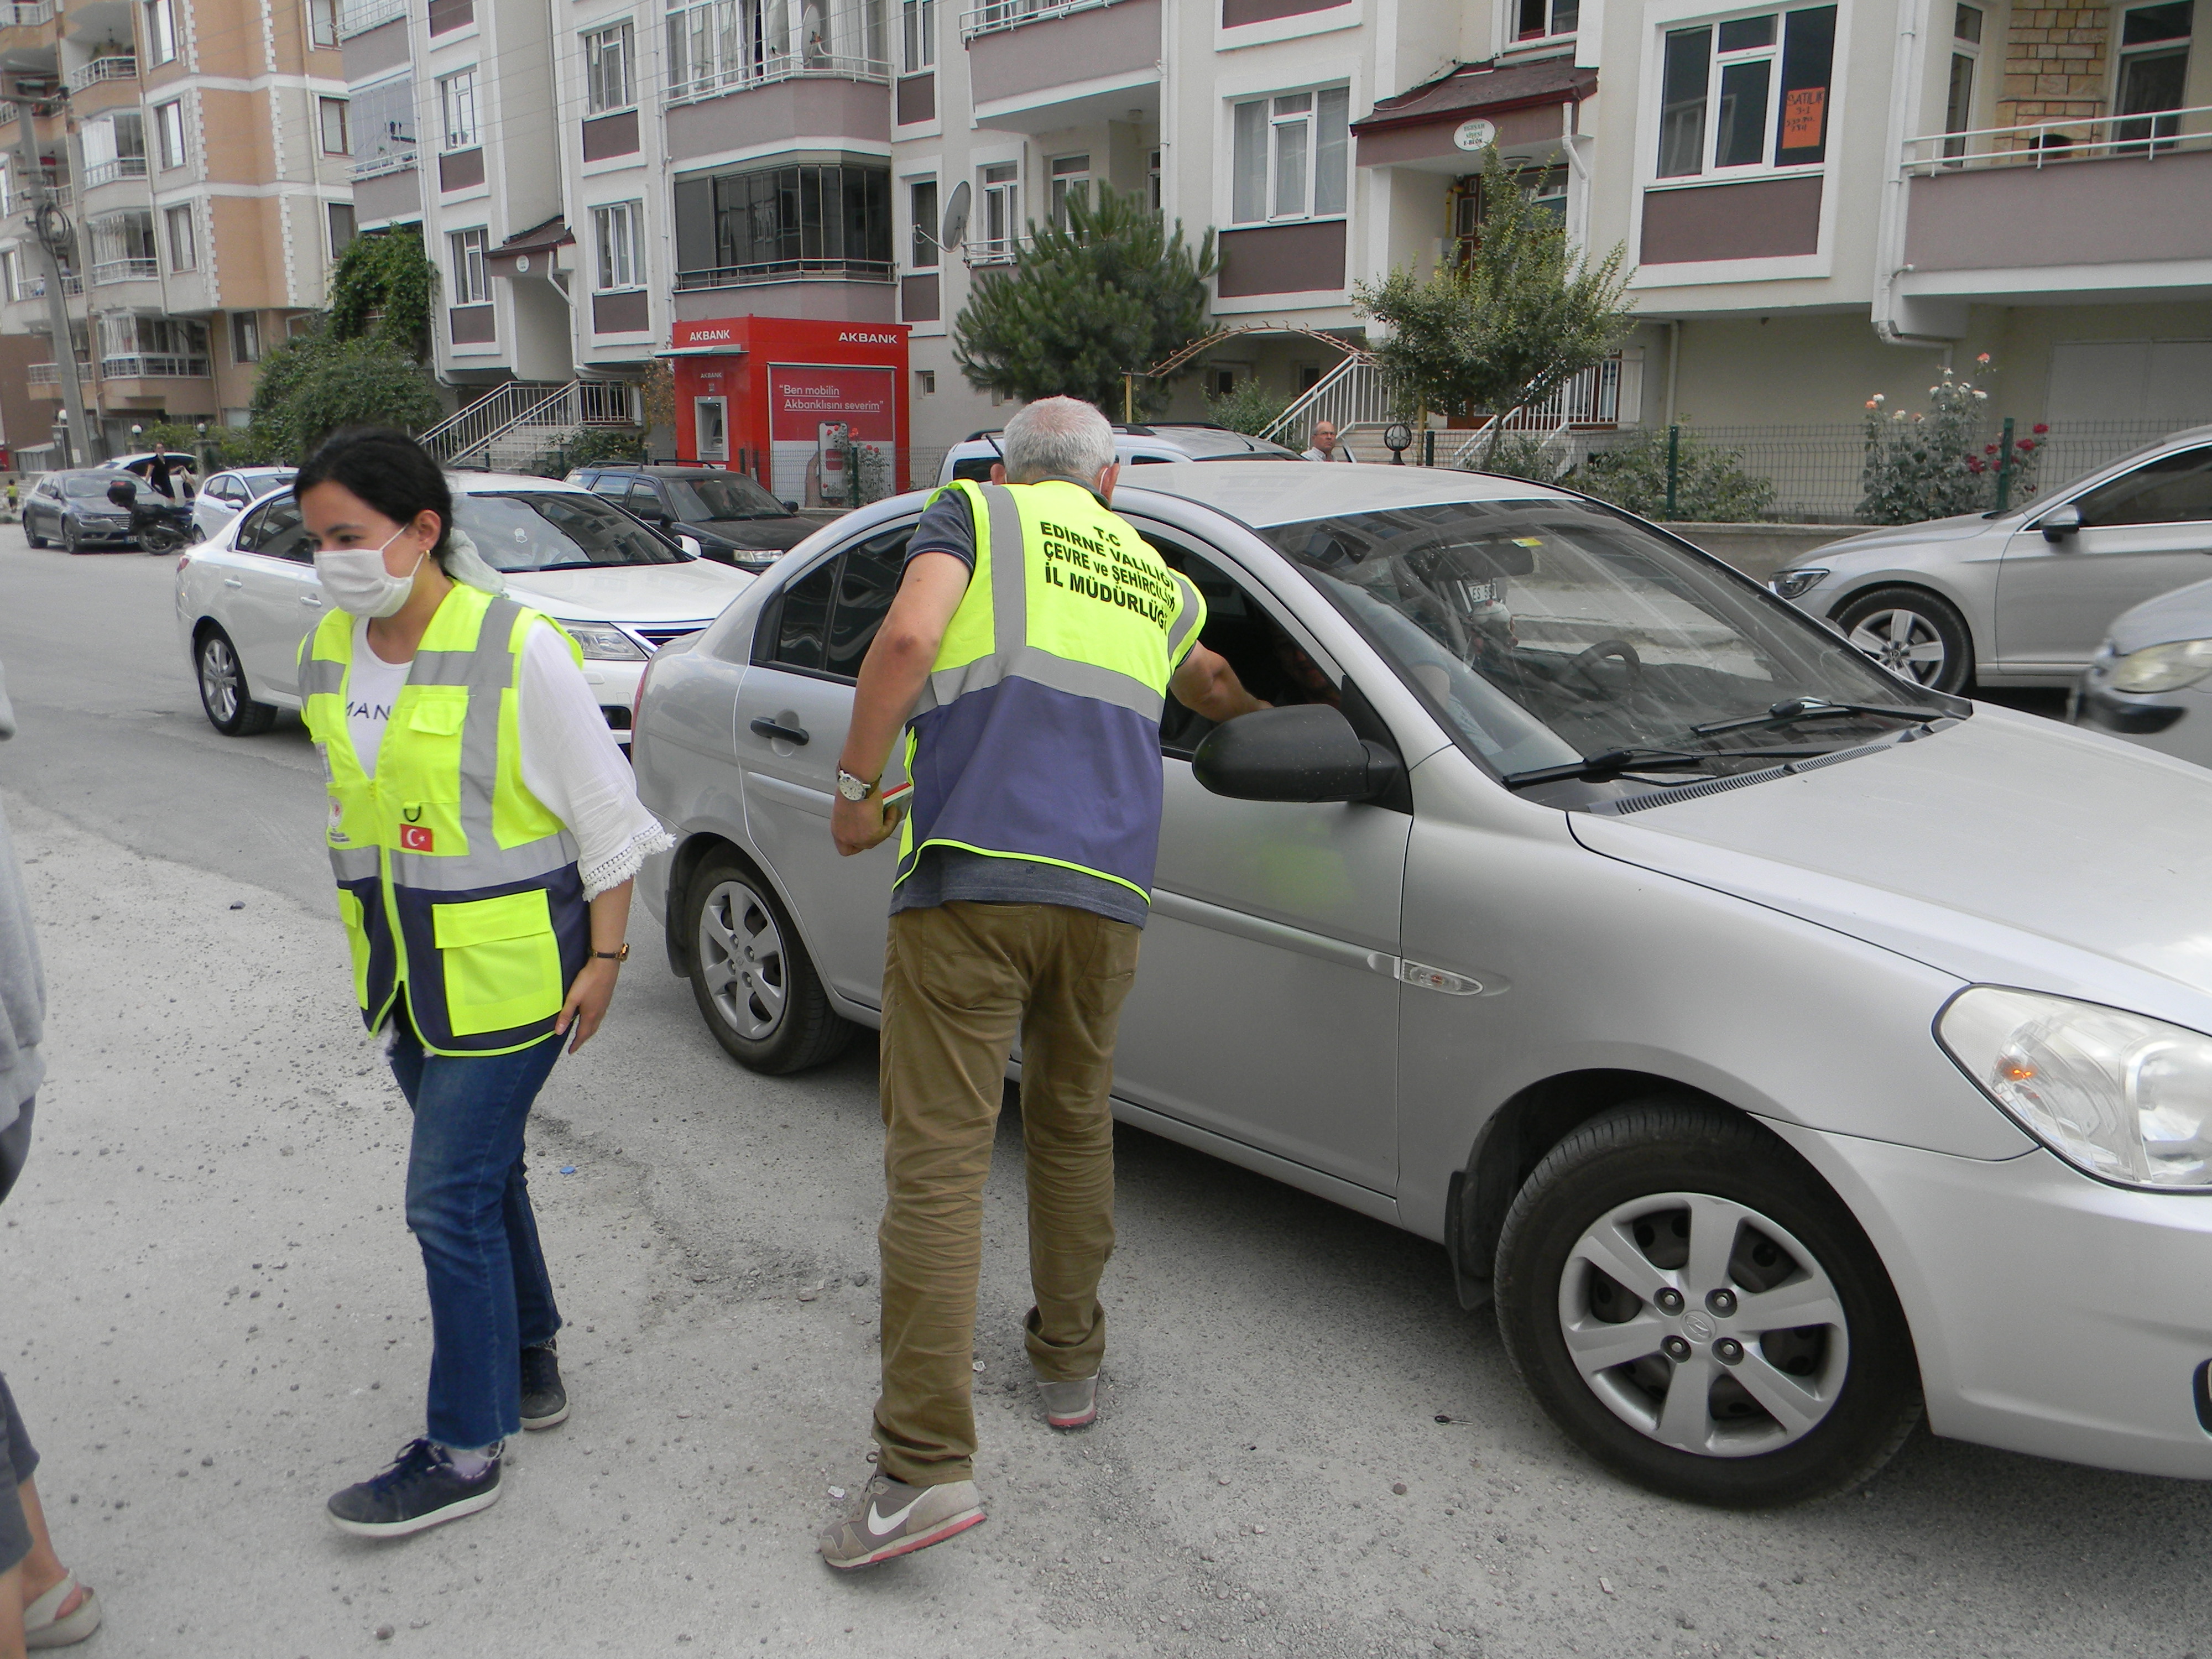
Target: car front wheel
(230,707)
(1695,1308)
(755,985)
(1913,633)
(70,543)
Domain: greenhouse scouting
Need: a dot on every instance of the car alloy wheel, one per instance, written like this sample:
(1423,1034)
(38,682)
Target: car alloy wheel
(222,687)
(1903,641)
(1916,635)
(741,957)
(1704,1324)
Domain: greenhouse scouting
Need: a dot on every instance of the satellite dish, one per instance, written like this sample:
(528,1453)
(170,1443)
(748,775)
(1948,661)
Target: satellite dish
(956,218)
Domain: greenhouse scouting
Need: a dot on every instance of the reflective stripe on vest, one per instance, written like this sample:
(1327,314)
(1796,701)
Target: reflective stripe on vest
(458,888)
(1037,734)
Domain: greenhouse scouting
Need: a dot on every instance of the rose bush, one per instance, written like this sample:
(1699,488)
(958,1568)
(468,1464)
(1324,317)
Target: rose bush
(1940,463)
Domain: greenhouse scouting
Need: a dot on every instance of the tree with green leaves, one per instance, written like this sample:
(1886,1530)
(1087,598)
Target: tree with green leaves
(1507,330)
(383,288)
(311,385)
(1109,295)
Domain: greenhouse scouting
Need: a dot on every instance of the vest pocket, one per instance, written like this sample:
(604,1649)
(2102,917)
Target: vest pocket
(500,960)
(355,918)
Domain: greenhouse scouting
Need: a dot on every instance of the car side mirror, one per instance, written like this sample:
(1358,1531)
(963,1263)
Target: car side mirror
(2060,523)
(122,492)
(690,544)
(1306,753)
(791,506)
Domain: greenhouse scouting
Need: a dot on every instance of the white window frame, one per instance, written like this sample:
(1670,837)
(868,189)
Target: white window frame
(162,42)
(917,36)
(325,109)
(330,210)
(169,124)
(246,344)
(456,110)
(618,248)
(1284,126)
(1968,52)
(323,22)
(466,252)
(924,251)
(1069,176)
(2147,125)
(610,68)
(1716,65)
(174,220)
(998,210)
(1509,23)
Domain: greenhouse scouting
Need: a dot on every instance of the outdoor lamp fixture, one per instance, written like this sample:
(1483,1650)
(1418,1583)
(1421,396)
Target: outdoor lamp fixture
(136,431)
(1397,437)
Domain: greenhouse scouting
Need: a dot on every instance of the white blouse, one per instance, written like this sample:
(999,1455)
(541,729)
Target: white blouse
(571,760)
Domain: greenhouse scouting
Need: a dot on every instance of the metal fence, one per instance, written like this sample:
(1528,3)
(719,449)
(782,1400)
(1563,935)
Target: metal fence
(1817,473)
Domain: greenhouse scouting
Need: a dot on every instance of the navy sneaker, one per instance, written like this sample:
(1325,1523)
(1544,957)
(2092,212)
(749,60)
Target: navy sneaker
(544,1402)
(420,1491)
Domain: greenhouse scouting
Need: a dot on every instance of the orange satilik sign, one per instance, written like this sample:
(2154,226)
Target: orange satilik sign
(1802,113)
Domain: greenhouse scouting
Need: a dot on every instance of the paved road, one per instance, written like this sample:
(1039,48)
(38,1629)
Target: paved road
(214,1315)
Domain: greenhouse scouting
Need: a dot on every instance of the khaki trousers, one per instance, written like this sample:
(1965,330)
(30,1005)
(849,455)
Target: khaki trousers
(960,981)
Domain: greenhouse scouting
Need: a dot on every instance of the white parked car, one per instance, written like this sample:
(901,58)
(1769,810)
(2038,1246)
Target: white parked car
(245,599)
(226,494)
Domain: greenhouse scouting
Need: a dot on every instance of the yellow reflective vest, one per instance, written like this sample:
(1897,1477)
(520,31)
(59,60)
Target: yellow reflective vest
(458,887)
(1038,735)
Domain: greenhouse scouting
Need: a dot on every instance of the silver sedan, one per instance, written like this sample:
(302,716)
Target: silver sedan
(2020,598)
(1778,1042)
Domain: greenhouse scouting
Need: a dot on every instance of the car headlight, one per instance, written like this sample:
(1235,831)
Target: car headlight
(2162,667)
(2121,1097)
(603,641)
(1788,584)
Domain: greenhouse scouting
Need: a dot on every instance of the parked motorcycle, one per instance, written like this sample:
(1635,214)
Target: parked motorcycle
(161,525)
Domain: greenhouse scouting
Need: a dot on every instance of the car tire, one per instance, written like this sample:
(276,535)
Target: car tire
(31,536)
(70,543)
(1794,1413)
(1917,635)
(224,695)
(755,985)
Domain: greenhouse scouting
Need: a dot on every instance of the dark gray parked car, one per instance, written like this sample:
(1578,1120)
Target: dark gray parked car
(732,518)
(73,509)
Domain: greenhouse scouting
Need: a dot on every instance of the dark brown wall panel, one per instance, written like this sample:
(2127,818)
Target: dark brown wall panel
(918,298)
(917,98)
(1234,12)
(1282,259)
(460,169)
(446,15)
(1759,219)
(473,325)
(622,313)
(610,135)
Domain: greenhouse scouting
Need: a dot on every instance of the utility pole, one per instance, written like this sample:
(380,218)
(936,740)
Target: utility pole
(50,233)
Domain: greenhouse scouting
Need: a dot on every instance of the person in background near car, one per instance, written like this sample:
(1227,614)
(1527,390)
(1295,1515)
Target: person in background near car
(1325,446)
(41,1603)
(485,832)
(157,476)
(1037,634)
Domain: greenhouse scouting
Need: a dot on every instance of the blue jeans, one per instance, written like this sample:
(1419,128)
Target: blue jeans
(468,1205)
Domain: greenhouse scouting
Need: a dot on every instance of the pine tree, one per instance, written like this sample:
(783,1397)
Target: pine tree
(1110,293)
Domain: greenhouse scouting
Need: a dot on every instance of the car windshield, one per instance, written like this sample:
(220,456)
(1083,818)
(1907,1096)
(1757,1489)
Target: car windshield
(721,496)
(549,530)
(87,484)
(1546,631)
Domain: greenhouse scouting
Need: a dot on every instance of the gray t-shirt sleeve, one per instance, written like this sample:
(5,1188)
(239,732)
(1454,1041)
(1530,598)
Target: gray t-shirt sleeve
(947,526)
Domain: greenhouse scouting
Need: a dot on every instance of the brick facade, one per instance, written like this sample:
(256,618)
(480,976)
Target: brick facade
(2056,66)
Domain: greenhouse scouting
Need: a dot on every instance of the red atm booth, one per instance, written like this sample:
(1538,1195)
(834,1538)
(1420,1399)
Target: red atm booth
(770,395)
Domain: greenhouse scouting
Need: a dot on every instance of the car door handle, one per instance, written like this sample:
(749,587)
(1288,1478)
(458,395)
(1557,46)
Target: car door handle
(768,728)
(310,599)
(233,582)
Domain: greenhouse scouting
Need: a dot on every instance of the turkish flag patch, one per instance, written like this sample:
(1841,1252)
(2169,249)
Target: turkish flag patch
(417,839)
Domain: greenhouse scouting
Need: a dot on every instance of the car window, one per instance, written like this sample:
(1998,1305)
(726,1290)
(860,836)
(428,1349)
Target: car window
(643,497)
(612,486)
(280,535)
(824,623)
(796,627)
(556,530)
(721,496)
(86,485)
(976,468)
(1271,664)
(2174,489)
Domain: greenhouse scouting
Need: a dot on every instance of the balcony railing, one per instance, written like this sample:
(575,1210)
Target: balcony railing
(51,373)
(34,287)
(2045,143)
(123,270)
(782,66)
(359,17)
(994,15)
(704,62)
(25,14)
(990,250)
(103,69)
(390,160)
(107,172)
(153,366)
(787,271)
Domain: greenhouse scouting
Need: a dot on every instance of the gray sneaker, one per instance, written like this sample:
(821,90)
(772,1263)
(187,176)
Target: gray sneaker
(893,1518)
(1070,1405)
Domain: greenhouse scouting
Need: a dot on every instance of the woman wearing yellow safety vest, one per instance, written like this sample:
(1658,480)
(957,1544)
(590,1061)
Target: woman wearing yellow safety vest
(485,830)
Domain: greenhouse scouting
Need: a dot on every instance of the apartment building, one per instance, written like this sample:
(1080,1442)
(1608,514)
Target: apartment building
(198,149)
(1821,201)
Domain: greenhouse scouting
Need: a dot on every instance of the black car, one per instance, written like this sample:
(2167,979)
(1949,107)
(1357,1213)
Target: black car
(731,517)
(74,509)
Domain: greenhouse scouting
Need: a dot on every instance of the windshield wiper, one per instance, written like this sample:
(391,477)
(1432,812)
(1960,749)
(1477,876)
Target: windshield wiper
(1812,708)
(1611,762)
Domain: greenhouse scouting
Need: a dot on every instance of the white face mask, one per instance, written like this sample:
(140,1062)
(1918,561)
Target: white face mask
(356,579)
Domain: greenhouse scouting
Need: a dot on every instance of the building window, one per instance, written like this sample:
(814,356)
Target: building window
(160,31)
(323,22)
(169,133)
(922,197)
(721,43)
(342,231)
(245,337)
(829,220)
(1153,178)
(123,246)
(183,254)
(609,79)
(132,344)
(337,140)
(457,106)
(2154,69)
(113,147)
(1538,19)
(471,286)
(621,243)
(1070,182)
(1959,97)
(1751,92)
(918,39)
(1291,155)
(1002,211)
(925,382)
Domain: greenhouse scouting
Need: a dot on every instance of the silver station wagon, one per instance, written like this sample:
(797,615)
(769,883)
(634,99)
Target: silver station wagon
(1778,1043)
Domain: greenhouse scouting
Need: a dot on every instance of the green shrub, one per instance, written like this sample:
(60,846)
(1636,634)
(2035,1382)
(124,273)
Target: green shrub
(1710,485)
(1937,464)
(1249,407)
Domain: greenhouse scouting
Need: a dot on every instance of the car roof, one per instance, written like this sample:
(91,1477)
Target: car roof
(1196,439)
(1262,493)
(500,483)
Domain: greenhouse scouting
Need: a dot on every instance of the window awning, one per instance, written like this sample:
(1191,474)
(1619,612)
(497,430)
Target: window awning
(1523,102)
(536,245)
